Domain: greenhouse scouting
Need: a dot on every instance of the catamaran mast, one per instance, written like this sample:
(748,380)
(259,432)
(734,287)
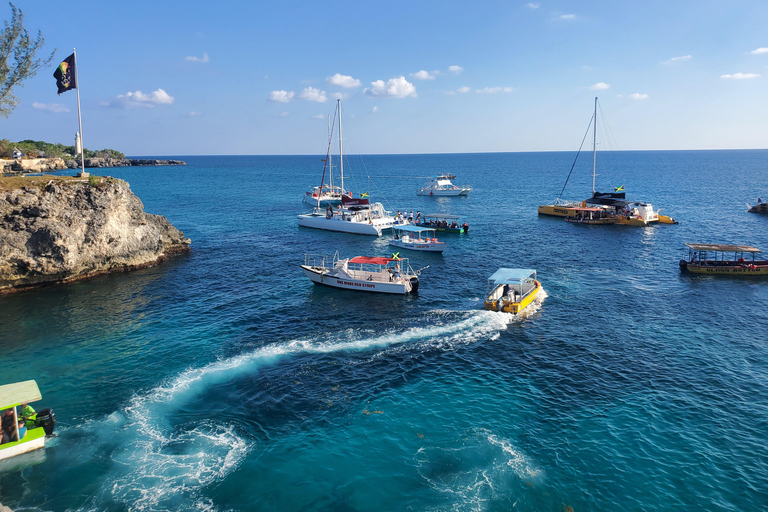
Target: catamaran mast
(341,159)
(594,147)
(330,165)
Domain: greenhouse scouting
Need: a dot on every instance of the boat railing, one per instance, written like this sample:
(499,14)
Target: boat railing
(321,260)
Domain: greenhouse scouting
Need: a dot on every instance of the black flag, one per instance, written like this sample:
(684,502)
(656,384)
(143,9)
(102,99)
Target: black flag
(65,74)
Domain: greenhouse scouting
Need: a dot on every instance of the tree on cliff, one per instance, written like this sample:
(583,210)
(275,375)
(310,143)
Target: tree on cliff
(17,59)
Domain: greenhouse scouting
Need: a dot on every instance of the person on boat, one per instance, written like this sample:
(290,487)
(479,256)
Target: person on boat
(410,216)
(418,217)
(26,412)
(759,201)
(9,424)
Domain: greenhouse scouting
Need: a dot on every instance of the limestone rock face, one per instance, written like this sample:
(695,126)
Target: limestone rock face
(68,230)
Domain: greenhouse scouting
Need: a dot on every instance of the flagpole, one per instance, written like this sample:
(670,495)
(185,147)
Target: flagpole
(82,173)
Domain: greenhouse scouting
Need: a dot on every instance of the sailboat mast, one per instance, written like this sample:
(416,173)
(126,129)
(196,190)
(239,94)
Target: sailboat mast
(341,159)
(594,147)
(330,165)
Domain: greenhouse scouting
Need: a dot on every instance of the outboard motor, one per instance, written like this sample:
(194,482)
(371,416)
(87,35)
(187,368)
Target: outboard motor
(46,419)
(414,284)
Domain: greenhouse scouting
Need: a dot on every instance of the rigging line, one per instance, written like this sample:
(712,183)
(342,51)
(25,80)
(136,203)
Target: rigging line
(327,157)
(577,156)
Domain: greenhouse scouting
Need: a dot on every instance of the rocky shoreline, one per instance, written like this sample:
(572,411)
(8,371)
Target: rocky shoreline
(35,165)
(65,229)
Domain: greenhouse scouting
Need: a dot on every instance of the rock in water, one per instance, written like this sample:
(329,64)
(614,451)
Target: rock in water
(64,230)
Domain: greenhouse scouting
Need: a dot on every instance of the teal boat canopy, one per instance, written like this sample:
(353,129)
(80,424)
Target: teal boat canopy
(19,393)
(412,229)
(511,275)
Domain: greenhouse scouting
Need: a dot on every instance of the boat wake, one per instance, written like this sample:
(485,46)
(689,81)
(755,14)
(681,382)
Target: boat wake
(160,463)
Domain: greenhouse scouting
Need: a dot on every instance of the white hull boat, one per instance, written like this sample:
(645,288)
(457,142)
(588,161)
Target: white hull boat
(415,238)
(362,273)
(367,221)
(442,186)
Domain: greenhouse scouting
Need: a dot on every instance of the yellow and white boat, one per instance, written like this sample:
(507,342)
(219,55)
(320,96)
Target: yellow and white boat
(511,290)
(711,259)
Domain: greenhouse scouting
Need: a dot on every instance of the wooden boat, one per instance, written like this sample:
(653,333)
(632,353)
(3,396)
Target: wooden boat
(511,290)
(30,432)
(362,273)
(416,238)
(712,259)
(444,222)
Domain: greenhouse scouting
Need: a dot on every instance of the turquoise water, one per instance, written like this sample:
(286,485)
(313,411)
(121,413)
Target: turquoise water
(224,380)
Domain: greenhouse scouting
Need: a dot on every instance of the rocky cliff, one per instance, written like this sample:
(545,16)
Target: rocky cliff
(64,229)
(34,165)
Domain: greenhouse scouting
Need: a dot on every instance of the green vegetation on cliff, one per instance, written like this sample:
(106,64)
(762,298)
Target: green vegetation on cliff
(40,149)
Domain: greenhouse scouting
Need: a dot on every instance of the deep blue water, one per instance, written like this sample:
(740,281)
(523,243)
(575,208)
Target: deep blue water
(224,380)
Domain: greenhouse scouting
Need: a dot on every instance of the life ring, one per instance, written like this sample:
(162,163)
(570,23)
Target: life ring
(314,194)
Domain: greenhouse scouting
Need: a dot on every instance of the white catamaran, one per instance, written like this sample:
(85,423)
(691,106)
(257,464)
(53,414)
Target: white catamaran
(354,214)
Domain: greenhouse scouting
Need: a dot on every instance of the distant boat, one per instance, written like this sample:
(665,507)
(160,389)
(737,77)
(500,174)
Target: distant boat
(441,185)
(355,214)
(362,273)
(416,238)
(444,222)
(760,207)
(326,193)
(617,209)
(711,259)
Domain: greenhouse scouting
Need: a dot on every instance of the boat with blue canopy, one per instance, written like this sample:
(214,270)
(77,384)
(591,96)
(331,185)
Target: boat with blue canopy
(444,222)
(416,238)
(511,290)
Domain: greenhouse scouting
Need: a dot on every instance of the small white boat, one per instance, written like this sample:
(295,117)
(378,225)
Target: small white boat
(441,185)
(416,239)
(362,273)
(511,290)
(25,433)
(323,195)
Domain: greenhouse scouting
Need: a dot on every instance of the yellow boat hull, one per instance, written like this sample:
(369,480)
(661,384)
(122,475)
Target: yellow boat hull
(758,208)
(728,271)
(553,210)
(514,307)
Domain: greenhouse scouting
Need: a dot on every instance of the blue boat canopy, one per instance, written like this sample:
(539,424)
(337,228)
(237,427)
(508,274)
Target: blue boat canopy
(511,275)
(412,229)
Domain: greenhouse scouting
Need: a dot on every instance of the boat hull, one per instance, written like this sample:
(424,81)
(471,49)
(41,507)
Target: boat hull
(759,208)
(335,223)
(33,440)
(325,278)
(759,268)
(419,246)
(445,192)
(511,306)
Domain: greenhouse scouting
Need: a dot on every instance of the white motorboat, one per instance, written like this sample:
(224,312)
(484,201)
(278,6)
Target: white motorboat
(362,273)
(416,238)
(441,185)
(354,214)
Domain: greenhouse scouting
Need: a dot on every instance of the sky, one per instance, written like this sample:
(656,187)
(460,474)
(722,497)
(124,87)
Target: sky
(192,77)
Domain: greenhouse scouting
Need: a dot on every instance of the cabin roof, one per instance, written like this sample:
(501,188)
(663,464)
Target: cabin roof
(19,393)
(723,248)
(511,275)
(375,260)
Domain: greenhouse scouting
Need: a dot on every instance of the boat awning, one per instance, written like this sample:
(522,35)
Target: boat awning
(444,216)
(374,260)
(19,393)
(412,229)
(583,209)
(723,248)
(511,275)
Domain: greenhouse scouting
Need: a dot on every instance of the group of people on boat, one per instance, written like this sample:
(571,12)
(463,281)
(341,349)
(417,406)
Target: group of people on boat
(408,216)
(13,428)
(443,224)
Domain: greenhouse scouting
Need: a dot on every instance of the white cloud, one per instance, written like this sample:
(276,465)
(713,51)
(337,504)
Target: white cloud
(740,76)
(140,99)
(283,114)
(312,94)
(281,96)
(194,114)
(463,90)
(393,88)
(533,5)
(375,109)
(567,17)
(759,51)
(318,116)
(683,58)
(494,90)
(455,69)
(599,86)
(423,75)
(338,95)
(50,107)
(202,59)
(638,96)
(345,81)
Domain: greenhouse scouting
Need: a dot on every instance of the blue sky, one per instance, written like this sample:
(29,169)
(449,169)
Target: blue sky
(191,77)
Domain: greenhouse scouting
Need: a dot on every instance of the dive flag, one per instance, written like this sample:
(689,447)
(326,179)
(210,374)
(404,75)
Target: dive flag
(65,75)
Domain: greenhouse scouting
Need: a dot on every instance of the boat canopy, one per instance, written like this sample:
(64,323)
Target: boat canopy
(374,260)
(443,216)
(412,229)
(723,248)
(19,393)
(511,275)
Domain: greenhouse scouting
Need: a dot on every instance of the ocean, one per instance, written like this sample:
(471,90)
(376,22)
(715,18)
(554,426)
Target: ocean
(224,380)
